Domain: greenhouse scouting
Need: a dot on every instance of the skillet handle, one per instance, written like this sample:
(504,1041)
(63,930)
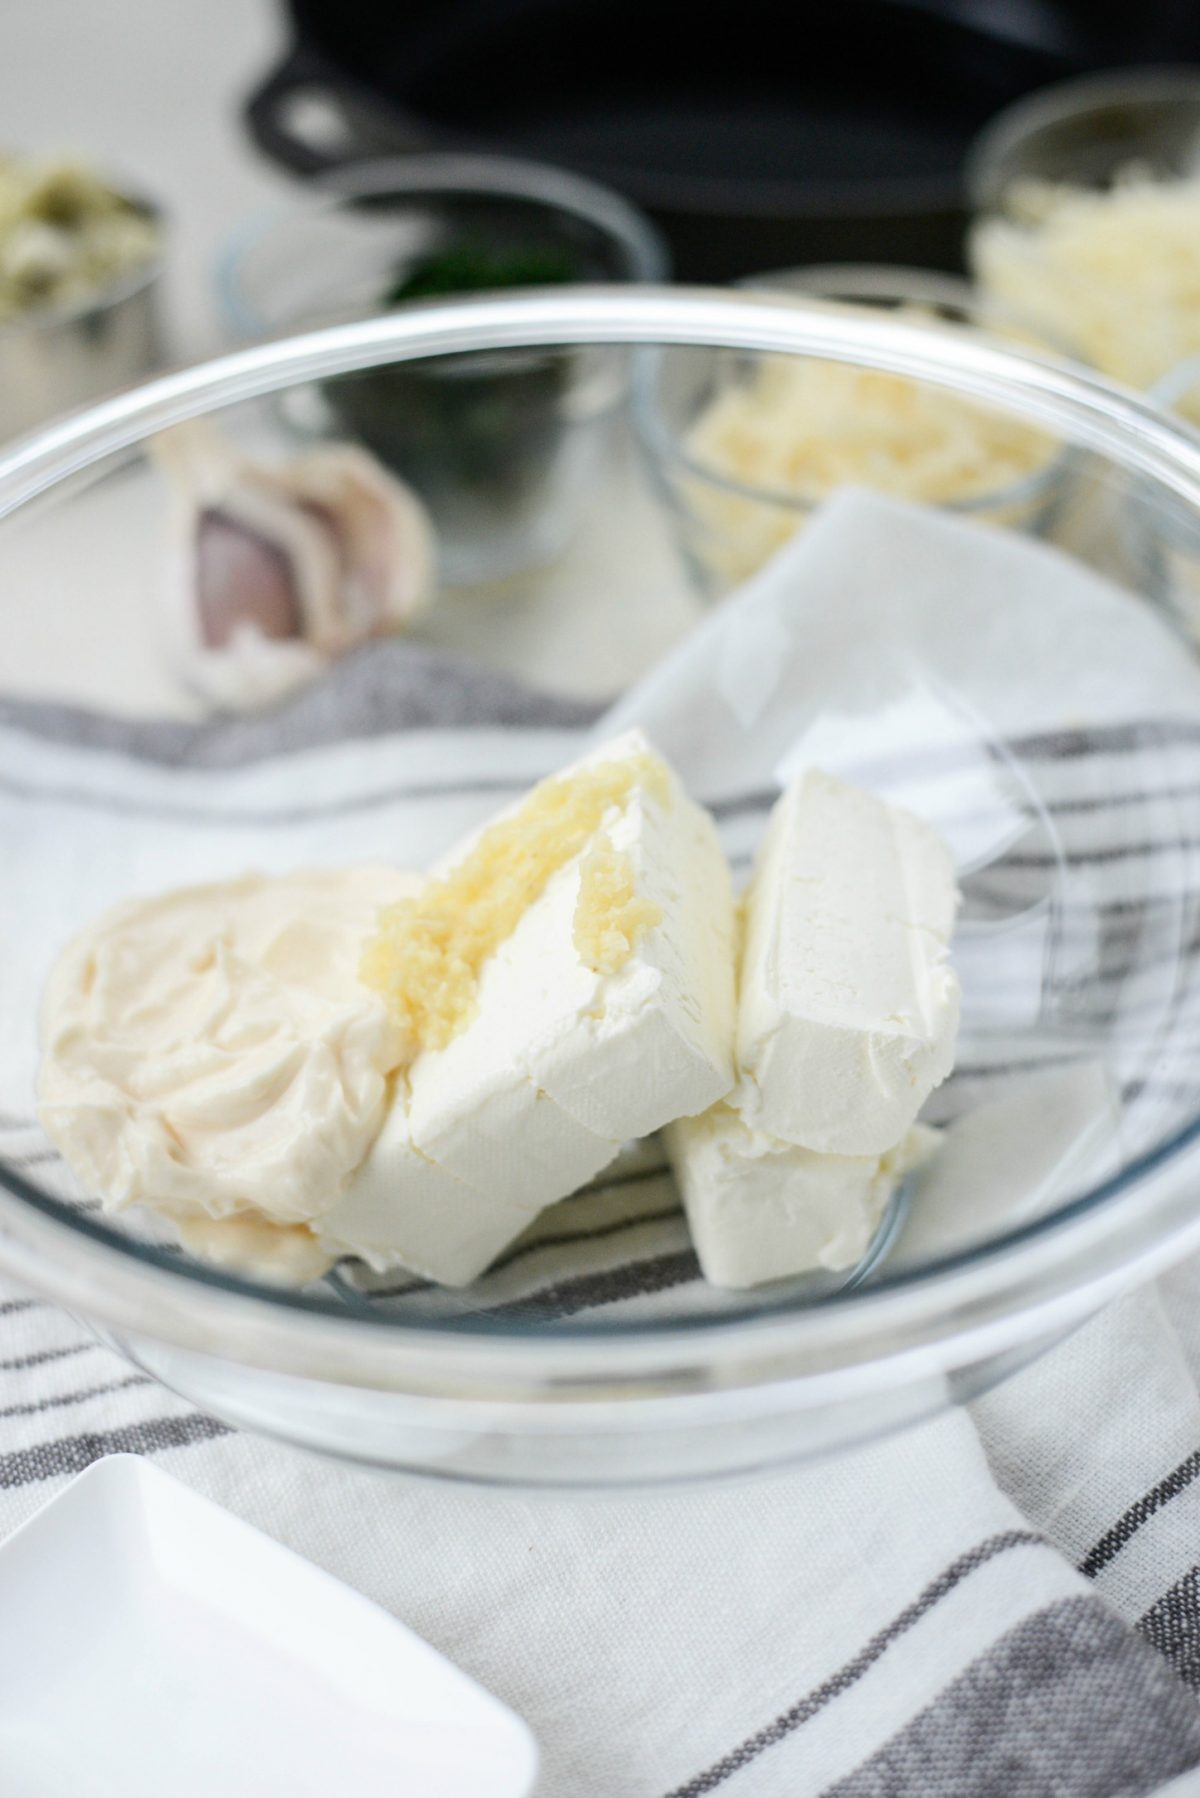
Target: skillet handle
(311,119)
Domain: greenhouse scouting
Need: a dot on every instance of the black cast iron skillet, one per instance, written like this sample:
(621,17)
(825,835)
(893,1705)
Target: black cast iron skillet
(757,133)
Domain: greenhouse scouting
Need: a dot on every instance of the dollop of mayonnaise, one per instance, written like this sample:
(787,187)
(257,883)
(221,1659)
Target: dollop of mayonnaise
(212,1053)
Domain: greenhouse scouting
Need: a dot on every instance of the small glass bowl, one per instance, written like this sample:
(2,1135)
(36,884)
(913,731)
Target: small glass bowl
(502,447)
(725,528)
(60,356)
(1081,133)
(1137,128)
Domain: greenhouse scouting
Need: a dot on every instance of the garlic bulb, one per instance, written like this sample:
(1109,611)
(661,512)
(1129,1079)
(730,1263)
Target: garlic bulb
(279,569)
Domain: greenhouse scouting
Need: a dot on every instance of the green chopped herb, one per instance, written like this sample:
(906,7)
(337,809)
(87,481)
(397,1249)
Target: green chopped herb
(477,268)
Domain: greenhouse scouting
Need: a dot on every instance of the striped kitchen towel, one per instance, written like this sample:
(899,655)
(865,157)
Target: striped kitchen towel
(1004,1601)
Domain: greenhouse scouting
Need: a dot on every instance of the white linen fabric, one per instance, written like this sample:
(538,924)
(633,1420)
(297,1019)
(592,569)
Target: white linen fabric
(1003,1601)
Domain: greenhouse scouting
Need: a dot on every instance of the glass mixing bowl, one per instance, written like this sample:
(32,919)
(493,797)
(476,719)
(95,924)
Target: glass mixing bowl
(618,1365)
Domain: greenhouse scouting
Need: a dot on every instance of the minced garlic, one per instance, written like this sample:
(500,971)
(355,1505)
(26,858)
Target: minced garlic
(429,951)
(609,915)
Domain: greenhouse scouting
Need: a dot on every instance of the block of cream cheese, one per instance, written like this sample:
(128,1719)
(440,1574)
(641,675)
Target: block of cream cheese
(561,1063)
(760,1209)
(212,1053)
(477,1110)
(403,1210)
(630,1051)
(848,1006)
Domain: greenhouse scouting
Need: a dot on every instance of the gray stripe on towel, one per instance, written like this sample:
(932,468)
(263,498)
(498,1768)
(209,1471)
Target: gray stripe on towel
(384,688)
(1172,1626)
(1068,1702)
(847,1676)
(1130,1522)
(631,1280)
(244,818)
(11,1305)
(71,1454)
(1109,739)
(20,1362)
(62,1399)
(621,1226)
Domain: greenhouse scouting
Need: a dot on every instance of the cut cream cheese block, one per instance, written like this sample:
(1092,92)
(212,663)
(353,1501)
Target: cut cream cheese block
(627,1051)
(476,1108)
(403,1210)
(759,1209)
(848,1006)
(559,1062)
(562,1064)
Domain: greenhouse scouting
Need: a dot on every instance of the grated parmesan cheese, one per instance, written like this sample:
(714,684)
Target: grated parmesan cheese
(798,428)
(1115,273)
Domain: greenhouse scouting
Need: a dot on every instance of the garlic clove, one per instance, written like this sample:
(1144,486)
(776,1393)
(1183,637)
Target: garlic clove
(278,569)
(382,533)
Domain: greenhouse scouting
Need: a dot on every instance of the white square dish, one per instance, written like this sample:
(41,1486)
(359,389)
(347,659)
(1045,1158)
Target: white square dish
(153,1643)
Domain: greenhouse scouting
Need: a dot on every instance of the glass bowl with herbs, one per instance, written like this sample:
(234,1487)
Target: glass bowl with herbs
(501,446)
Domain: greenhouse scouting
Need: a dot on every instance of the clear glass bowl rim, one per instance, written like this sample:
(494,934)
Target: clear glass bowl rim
(1041,1277)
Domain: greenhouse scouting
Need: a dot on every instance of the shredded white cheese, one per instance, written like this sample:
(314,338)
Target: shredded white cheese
(1116,274)
(797,428)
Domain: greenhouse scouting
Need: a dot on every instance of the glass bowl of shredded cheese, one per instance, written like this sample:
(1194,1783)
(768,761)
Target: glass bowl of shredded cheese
(378,836)
(1087,204)
(746,447)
